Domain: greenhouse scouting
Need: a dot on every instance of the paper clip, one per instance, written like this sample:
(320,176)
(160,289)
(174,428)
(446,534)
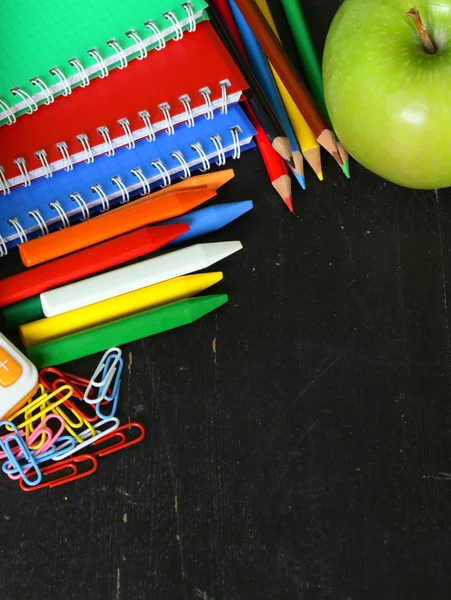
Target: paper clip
(57,468)
(87,441)
(121,440)
(44,405)
(104,384)
(113,396)
(5,444)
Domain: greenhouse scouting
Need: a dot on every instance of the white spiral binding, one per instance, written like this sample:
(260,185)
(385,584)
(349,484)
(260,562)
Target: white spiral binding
(120,53)
(62,147)
(35,214)
(49,97)
(145,116)
(158,164)
(236,142)
(104,132)
(20,162)
(188,6)
(204,158)
(18,227)
(186,102)
(160,38)
(9,113)
(95,54)
(206,94)
(125,124)
(31,104)
(165,109)
(216,139)
(42,156)
(62,213)
(3,247)
(4,182)
(135,37)
(84,141)
(140,175)
(74,62)
(224,104)
(76,197)
(63,80)
(170,16)
(97,189)
(177,155)
(124,191)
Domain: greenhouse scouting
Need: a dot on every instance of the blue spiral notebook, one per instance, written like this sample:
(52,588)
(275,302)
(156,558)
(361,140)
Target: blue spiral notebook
(94,186)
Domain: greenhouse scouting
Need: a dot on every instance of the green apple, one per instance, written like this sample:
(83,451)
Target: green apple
(389,100)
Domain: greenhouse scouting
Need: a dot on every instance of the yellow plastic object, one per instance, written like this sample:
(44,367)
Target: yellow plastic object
(100,313)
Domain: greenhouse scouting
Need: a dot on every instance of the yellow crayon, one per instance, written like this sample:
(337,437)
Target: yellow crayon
(179,288)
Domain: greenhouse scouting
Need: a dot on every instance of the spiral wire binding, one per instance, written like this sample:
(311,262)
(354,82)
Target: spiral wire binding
(104,132)
(137,172)
(84,141)
(76,197)
(100,62)
(42,156)
(35,214)
(62,147)
(125,124)
(145,117)
(165,109)
(49,97)
(20,162)
(4,182)
(186,102)
(206,93)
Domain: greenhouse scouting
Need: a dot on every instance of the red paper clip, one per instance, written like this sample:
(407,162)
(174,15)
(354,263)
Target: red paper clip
(121,442)
(72,464)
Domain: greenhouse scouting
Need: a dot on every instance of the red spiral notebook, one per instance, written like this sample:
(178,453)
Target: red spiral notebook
(188,78)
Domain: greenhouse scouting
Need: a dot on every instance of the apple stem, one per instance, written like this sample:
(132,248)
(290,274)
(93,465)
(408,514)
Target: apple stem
(414,13)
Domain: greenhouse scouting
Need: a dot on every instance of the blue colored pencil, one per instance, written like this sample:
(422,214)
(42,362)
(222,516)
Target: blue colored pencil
(262,71)
(210,219)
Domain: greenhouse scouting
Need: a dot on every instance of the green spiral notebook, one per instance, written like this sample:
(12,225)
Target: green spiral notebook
(48,47)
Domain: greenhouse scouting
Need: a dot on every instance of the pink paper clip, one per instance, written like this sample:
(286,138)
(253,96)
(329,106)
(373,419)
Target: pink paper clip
(72,465)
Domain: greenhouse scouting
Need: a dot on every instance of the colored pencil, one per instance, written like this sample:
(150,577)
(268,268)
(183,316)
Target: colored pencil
(123,331)
(87,262)
(275,53)
(135,277)
(311,64)
(126,305)
(111,224)
(265,78)
(261,107)
(274,163)
(309,146)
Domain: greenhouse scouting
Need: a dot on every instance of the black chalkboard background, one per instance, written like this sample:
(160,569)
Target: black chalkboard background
(307,457)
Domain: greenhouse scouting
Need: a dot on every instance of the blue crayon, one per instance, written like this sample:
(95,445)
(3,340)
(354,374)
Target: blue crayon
(209,219)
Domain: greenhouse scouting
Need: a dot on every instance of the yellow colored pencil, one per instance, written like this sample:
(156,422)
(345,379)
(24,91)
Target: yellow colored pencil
(179,288)
(307,141)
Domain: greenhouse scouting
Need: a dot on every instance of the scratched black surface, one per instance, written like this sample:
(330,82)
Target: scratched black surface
(307,458)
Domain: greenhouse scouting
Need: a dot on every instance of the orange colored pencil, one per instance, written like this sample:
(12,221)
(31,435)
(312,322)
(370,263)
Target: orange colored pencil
(287,73)
(111,224)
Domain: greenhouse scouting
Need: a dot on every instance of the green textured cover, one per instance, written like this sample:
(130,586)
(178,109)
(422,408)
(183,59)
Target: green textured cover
(37,35)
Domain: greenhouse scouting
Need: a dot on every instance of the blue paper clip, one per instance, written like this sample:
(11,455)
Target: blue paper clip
(106,378)
(68,443)
(113,397)
(5,444)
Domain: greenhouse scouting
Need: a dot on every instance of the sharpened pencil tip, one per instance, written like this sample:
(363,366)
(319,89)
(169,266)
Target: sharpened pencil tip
(301,179)
(338,158)
(320,176)
(346,171)
(289,202)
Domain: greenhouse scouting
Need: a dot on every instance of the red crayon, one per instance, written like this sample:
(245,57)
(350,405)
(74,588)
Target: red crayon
(87,262)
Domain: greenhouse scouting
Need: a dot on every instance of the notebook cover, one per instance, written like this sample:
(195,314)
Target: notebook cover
(36,36)
(42,192)
(100,104)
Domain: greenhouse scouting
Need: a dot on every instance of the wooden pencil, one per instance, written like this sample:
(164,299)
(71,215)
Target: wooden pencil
(307,141)
(261,107)
(273,49)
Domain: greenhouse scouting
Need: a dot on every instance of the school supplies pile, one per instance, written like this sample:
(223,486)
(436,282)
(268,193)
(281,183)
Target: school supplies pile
(100,104)
(58,436)
(249,26)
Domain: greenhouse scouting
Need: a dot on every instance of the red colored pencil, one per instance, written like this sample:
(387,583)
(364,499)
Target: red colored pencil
(87,262)
(274,163)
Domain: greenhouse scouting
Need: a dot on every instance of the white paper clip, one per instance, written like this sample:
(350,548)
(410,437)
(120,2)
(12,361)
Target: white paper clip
(104,383)
(112,423)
